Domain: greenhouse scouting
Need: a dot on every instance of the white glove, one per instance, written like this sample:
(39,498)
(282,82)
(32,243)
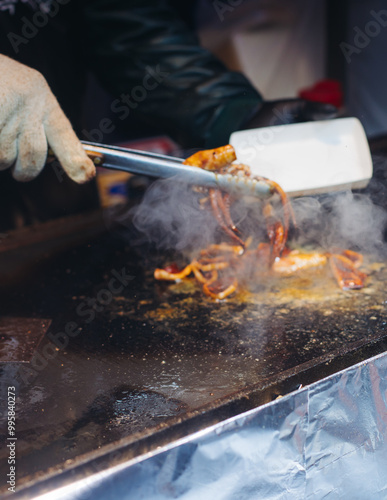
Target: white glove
(30,117)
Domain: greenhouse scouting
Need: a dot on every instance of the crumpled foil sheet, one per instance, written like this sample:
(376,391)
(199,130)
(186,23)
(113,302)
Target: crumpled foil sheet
(327,440)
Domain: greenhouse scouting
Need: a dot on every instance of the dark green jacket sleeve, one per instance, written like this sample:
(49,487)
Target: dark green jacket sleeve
(144,54)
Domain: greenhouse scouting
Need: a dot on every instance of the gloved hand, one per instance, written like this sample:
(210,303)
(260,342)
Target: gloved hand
(30,117)
(285,111)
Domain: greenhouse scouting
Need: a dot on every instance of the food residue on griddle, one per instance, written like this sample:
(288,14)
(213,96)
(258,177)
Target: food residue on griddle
(224,268)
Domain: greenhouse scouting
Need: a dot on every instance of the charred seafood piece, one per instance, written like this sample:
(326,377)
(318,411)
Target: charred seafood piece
(221,268)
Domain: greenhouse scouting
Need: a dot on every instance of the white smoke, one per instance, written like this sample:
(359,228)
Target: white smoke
(345,219)
(171,217)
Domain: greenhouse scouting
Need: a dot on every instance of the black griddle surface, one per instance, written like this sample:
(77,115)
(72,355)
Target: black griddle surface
(158,355)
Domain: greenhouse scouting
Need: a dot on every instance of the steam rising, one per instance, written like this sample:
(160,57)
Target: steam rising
(345,219)
(170,216)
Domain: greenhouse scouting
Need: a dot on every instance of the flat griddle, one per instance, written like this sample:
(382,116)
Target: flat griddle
(159,360)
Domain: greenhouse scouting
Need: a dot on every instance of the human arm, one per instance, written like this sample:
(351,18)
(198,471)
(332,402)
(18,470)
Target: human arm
(157,71)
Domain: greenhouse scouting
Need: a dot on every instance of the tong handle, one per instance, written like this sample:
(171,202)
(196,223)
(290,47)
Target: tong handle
(156,165)
(118,158)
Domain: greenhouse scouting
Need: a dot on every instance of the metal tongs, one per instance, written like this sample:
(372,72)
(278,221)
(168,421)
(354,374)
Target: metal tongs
(162,166)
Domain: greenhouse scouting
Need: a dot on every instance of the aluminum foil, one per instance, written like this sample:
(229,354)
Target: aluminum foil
(327,440)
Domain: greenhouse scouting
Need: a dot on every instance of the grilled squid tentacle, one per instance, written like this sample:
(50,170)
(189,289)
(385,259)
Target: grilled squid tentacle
(165,274)
(225,205)
(215,196)
(344,267)
(220,294)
